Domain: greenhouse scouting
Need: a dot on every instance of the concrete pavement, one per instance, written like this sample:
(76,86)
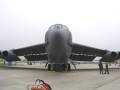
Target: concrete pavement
(18,79)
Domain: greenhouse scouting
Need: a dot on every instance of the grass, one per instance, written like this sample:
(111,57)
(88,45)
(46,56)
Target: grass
(2,65)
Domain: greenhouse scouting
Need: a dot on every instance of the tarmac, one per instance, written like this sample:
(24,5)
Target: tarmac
(85,77)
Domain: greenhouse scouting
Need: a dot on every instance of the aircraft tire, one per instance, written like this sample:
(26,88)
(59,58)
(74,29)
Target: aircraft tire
(69,67)
(49,67)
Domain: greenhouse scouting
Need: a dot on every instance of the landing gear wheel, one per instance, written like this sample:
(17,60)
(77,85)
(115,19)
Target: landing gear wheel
(69,67)
(49,67)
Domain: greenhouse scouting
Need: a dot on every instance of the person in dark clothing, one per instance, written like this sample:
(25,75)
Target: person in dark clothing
(100,67)
(106,69)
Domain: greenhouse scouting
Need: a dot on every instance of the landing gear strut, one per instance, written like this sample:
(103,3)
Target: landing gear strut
(69,67)
(49,67)
(59,67)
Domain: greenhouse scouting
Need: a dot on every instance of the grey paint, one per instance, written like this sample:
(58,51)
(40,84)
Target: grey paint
(58,39)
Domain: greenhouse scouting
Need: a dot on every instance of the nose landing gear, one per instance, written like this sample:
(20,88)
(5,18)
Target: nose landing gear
(59,67)
(68,67)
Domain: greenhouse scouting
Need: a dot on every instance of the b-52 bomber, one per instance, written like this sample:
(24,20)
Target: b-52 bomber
(59,51)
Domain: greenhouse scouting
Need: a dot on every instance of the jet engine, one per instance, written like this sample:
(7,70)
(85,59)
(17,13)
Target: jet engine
(10,56)
(111,54)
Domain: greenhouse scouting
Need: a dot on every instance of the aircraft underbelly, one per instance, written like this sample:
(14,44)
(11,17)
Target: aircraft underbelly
(57,54)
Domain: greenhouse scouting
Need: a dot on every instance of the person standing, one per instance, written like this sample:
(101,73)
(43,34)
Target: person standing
(106,69)
(100,67)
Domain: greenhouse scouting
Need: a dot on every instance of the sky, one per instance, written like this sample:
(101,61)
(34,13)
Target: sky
(94,23)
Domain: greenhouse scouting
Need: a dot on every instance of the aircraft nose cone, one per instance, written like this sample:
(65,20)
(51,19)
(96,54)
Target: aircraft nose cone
(58,27)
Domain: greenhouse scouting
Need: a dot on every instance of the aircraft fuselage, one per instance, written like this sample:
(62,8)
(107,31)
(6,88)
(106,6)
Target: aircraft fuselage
(58,41)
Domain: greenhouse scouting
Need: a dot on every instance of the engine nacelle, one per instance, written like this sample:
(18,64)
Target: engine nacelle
(10,56)
(111,54)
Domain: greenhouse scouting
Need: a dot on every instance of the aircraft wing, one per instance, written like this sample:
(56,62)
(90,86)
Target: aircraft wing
(86,53)
(36,49)
(31,53)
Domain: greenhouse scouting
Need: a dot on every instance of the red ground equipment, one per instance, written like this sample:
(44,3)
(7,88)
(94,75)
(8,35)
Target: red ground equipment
(40,85)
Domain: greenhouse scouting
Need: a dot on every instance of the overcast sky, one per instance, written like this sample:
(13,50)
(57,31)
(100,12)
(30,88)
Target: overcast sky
(94,23)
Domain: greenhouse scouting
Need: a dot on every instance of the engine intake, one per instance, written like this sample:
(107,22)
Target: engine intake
(114,54)
(10,56)
(5,53)
(111,54)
